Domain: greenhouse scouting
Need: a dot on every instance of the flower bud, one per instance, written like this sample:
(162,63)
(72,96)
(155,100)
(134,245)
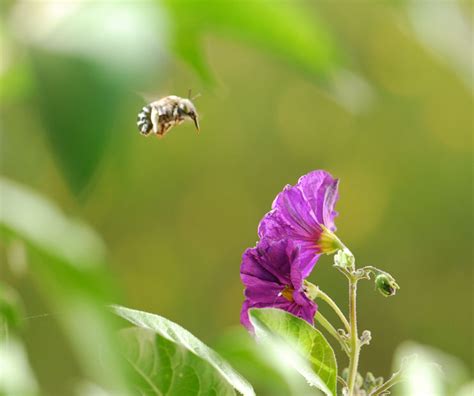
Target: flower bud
(371,382)
(385,284)
(344,259)
(345,374)
(366,337)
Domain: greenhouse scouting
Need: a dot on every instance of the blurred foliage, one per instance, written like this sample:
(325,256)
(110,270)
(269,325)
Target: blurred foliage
(80,135)
(281,28)
(10,310)
(395,125)
(16,375)
(67,260)
(431,372)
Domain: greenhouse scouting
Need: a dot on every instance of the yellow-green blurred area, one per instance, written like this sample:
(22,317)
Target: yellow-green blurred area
(380,94)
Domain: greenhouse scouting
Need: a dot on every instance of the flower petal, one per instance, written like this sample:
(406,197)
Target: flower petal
(261,291)
(320,190)
(295,211)
(305,260)
(244,315)
(272,226)
(251,266)
(304,307)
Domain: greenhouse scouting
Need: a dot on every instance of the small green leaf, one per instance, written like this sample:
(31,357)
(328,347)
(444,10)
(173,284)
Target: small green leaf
(300,345)
(170,360)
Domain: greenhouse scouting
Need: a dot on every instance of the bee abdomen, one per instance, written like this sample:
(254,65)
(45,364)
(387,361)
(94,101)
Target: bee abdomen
(144,120)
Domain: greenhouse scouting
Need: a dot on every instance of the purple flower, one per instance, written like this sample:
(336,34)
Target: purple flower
(271,280)
(305,214)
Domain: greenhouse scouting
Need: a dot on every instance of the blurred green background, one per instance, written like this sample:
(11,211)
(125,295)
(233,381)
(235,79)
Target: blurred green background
(377,93)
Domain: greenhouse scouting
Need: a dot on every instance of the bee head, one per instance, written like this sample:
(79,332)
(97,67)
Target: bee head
(187,108)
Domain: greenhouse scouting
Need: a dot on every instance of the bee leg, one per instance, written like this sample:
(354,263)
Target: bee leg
(163,129)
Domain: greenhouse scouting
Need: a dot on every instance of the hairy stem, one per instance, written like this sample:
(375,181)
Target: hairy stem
(394,379)
(328,300)
(354,336)
(331,330)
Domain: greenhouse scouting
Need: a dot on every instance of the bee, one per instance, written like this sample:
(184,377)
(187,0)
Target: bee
(160,116)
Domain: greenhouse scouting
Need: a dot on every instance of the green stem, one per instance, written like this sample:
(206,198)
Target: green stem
(328,300)
(331,330)
(394,379)
(354,336)
(341,380)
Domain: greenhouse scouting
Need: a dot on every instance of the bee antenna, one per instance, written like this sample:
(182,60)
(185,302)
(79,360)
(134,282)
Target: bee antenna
(194,97)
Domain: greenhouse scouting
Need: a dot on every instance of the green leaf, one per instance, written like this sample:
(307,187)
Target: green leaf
(67,260)
(170,359)
(299,344)
(162,367)
(285,29)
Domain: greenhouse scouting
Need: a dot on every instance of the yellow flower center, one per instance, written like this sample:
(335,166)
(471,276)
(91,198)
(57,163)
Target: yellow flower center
(328,242)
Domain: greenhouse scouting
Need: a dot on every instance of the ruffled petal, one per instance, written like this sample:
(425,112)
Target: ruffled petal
(260,291)
(320,190)
(305,308)
(274,259)
(251,266)
(296,213)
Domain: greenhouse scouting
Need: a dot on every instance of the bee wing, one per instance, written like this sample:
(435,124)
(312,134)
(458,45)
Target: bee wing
(148,97)
(152,96)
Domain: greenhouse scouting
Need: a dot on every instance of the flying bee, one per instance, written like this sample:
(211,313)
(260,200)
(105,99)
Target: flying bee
(160,116)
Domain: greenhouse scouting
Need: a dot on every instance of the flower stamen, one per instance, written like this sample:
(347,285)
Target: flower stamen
(287,293)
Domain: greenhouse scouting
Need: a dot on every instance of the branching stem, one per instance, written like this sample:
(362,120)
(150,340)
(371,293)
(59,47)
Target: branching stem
(328,300)
(331,330)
